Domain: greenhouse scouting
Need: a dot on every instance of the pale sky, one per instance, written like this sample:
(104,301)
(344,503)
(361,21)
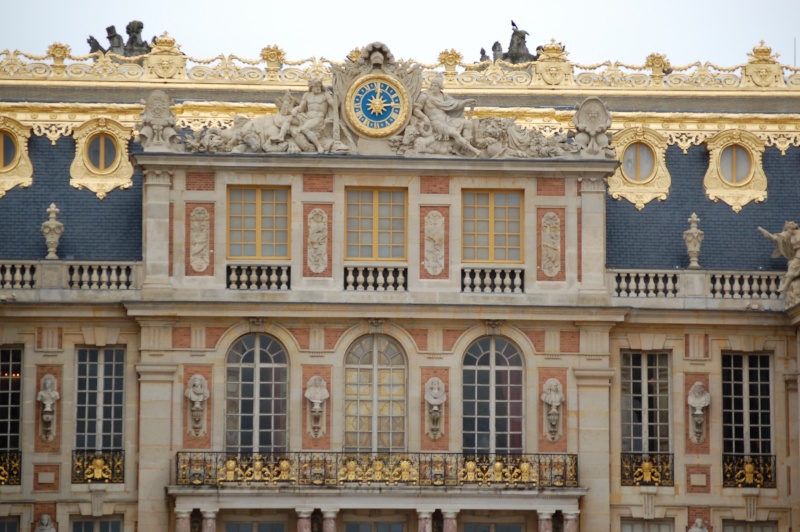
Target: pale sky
(719,31)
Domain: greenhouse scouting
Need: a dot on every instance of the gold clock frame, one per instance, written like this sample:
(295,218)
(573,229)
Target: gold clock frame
(360,128)
(737,195)
(657,185)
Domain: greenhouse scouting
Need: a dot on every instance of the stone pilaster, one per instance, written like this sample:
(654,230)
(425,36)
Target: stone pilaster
(570,522)
(593,443)
(304,520)
(156,227)
(450,524)
(329,520)
(423,521)
(593,241)
(155,406)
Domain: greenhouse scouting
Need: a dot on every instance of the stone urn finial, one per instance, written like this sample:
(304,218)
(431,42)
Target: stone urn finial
(693,237)
(52,230)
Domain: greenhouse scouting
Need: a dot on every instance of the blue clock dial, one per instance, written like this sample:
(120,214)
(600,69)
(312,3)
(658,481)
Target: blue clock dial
(377,105)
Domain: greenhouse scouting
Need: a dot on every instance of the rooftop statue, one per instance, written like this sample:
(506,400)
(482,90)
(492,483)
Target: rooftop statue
(133,48)
(517,48)
(787,245)
(377,106)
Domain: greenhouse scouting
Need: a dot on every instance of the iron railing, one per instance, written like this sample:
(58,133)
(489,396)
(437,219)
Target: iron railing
(106,466)
(390,469)
(748,471)
(10,468)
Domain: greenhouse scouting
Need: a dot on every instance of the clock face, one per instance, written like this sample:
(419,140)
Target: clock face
(377,105)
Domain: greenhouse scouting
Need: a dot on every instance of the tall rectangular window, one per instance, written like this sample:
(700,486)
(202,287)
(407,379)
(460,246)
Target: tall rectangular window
(254,527)
(97,525)
(100,402)
(9,525)
(258,223)
(746,404)
(10,397)
(374,527)
(645,403)
(641,525)
(376,224)
(492,227)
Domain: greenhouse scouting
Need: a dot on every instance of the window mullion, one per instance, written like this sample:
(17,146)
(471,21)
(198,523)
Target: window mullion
(257,385)
(101,359)
(376,222)
(645,404)
(492,398)
(491,237)
(746,392)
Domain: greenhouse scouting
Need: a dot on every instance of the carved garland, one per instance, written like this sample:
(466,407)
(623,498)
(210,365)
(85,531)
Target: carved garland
(753,187)
(20,170)
(656,184)
(119,172)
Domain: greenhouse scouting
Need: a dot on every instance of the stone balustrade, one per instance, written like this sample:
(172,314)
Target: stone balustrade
(259,277)
(663,284)
(376,278)
(493,280)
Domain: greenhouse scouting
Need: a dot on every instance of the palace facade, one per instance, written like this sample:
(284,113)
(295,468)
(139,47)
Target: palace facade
(383,296)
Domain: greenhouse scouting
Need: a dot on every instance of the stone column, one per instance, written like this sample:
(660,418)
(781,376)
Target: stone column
(593,443)
(570,521)
(423,521)
(329,520)
(450,524)
(209,521)
(182,521)
(156,228)
(593,241)
(545,521)
(304,521)
(155,454)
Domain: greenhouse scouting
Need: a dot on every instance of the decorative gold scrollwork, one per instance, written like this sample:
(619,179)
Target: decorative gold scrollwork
(736,192)
(629,181)
(19,172)
(85,174)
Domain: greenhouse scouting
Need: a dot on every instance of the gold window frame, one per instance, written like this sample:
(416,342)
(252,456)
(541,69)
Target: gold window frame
(751,189)
(84,174)
(258,228)
(492,232)
(657,186)
(20,171)
(376,227)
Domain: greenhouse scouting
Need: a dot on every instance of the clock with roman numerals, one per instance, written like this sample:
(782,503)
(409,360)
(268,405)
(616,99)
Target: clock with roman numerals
(377,106)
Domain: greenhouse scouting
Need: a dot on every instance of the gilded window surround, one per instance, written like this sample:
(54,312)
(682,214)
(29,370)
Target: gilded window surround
(736,195)
(657,186)
(20,171)
(121,172)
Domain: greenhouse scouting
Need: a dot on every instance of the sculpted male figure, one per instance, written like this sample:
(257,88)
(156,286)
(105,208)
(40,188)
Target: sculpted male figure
(445,115)
(313,111)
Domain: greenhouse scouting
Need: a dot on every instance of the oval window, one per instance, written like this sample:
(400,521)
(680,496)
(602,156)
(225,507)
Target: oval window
(735,164)
(8,150)
(102,152)
(638,162)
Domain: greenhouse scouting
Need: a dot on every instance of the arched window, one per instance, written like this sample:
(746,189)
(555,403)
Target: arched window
(375,395)
(256,393)
(492,419)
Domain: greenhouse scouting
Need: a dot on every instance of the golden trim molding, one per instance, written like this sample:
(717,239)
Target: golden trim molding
(20,172)
(657,185)
(754,188)
(119,175)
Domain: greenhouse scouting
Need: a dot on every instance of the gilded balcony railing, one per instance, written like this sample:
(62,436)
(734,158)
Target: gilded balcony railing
(643,469)
(748,471)
(10,468)
(106,466)
(367,469)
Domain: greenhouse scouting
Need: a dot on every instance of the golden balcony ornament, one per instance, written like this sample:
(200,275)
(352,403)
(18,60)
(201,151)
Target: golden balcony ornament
(749,475)
(646,473)
(469,474)
(405,472)
(98,470)
(350,472)
(230,471)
